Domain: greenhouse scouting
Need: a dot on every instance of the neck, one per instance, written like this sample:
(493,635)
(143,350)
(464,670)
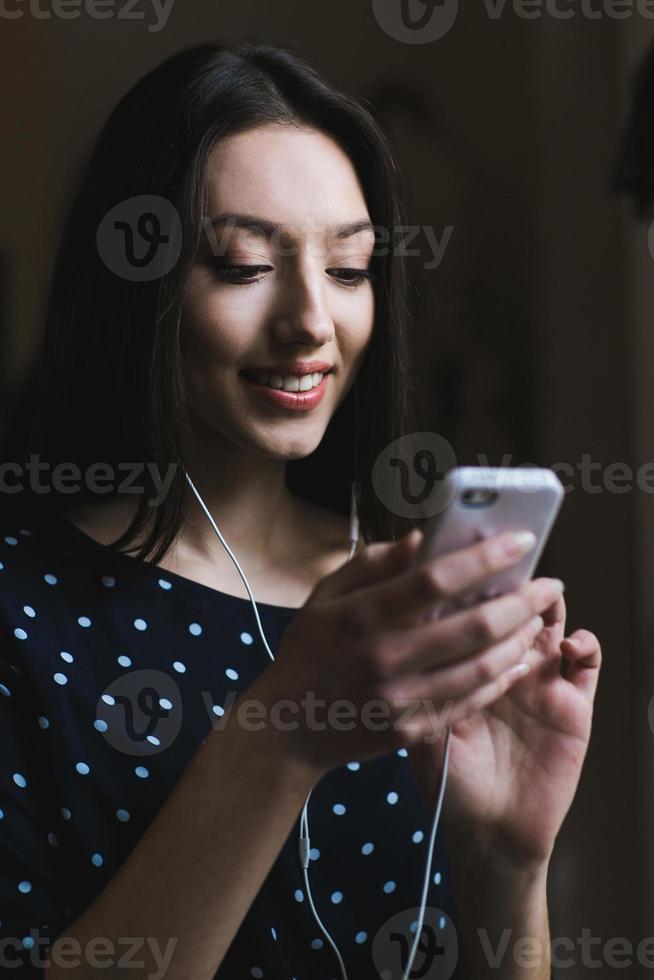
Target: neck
(247,496)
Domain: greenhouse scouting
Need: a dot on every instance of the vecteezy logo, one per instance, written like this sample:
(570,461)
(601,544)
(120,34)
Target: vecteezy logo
(407,474)
(437,948)
(140,239)
(140,713)
(416,21)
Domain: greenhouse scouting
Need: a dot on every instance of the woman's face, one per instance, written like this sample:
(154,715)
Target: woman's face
(288,287)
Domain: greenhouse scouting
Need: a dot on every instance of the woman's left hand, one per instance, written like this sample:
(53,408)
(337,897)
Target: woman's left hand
(515,765)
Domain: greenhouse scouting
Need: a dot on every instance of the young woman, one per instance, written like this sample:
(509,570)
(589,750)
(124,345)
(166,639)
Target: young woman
(136,801)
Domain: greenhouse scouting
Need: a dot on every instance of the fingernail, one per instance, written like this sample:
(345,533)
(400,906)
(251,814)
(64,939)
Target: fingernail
(519,670)
(519,543)
(558,584)
(537,623)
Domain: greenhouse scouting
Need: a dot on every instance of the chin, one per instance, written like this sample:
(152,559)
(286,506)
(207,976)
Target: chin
(289,448)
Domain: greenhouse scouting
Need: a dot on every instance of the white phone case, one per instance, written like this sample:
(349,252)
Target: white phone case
(523,499)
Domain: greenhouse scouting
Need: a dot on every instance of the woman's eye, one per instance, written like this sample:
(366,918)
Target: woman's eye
(352,277)
(240,275)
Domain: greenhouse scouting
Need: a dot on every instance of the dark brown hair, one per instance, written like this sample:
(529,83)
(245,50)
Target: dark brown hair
(110,385)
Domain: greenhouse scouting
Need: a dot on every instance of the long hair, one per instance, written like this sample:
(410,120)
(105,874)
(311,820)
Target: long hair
(110,386)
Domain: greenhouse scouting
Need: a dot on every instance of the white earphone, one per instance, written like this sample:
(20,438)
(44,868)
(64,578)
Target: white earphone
(303,840)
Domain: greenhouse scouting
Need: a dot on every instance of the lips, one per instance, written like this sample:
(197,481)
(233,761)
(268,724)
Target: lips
(300,401)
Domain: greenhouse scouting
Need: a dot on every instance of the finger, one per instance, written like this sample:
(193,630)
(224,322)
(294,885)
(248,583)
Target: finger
(464,679)
(454,638)
(376,563)
(583,654)
(416,590)
(556,613)
(486,695)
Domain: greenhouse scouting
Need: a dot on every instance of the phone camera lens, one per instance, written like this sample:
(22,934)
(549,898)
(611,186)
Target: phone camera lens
(478,497)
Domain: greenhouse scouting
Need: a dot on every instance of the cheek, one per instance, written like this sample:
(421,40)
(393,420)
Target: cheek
(357,321)
(217,326)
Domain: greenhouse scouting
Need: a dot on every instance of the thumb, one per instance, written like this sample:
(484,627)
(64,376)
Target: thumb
(584,658)
(376,562)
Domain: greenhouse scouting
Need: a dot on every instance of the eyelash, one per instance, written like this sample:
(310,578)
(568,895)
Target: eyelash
(229,274)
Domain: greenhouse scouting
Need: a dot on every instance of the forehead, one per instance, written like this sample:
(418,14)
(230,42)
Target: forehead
(295,178)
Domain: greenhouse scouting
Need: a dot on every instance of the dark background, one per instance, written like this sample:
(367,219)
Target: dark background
(533,336)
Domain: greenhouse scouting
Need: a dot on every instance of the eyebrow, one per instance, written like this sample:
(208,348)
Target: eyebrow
(269,228)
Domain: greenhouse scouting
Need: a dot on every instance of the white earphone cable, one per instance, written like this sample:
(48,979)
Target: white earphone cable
(303,840)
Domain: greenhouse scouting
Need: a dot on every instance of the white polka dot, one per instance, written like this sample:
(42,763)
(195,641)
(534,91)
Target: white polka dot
(10,540)
(339,808)
(140,624)
(437,878)
(23,530)
(141,772)
(153,740)
(29,611)
(5,690)
(417,837)
(336,897)
(389,887)
(97,860)
(317,944)
(165,584)
(232,674)
(82,768)
(195,629)
(392,797)
(165,703)
(367,848)
(441,922)
(53,840)
(124,660)
(27,941)
(68,657)
(108,581)
(218,710)
(25,887)
(123,815)
(65,813)
(361,937)
(20,634)
(20,780)
(256,972)
(2,814)
(108,699)
(179,667)
(314,853)
(299,895)
(246,638)
(84,621)
(50,579)
(354,766)
(60,678)
(274,934)
(43,723)
(100,725)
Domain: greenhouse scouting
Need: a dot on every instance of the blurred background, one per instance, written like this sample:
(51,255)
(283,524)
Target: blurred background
(533,339)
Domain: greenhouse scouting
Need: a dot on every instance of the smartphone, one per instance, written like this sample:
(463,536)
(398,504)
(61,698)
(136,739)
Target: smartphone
(473,503)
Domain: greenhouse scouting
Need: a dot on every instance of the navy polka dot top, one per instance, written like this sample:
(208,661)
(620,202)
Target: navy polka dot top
(107,690)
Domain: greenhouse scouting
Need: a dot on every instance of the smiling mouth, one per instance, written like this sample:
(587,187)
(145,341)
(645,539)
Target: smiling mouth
(287,383)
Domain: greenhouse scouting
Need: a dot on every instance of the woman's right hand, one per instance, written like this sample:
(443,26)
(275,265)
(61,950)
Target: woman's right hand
(362,636)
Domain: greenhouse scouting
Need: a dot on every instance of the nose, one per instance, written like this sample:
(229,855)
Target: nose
(303,314)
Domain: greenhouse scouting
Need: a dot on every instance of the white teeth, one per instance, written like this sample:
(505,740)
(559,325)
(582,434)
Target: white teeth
(290,382)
